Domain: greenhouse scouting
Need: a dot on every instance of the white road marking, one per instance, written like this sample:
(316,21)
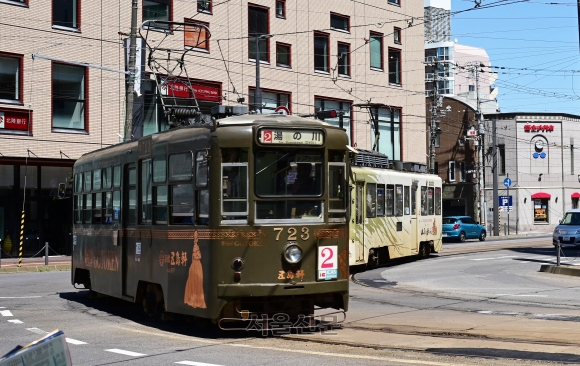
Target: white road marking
(489,259)
(126,353)
(191,363)
(15,321)
(2,307)
(20,297)
(5,313)
(74,341)
(531,295)
(37,331)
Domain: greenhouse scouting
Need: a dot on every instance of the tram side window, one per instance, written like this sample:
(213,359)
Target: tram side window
(203,207)
(160,204)
(146,192)
(108,207)
(78,183)
(117,176)
(132,199)
(371,200)
(107,177)
(88,208)
(201,169)
(97,207)
(336,186)
(390,199)
(424,203)
(97,180)
(78,208)
(234,191)
(407,207)
(430,200)
(414,200)
(116,205)
(381,200)
(438,201)
(88,181)
(182,204)
(398,200)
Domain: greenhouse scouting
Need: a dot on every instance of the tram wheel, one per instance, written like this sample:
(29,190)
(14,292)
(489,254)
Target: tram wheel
(373,258)
(424,250)
(153,302)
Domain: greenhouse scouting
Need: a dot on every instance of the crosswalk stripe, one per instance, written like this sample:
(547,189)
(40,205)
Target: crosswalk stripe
(74,341)
(5,313)
(192,363)
(15,321)
(126,353)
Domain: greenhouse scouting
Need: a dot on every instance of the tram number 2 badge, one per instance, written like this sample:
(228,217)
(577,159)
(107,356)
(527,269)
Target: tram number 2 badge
(327,263)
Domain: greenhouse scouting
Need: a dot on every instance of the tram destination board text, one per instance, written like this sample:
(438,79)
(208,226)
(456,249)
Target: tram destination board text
(291,137)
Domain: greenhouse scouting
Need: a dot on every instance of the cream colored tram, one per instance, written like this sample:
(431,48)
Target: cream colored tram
(394,213)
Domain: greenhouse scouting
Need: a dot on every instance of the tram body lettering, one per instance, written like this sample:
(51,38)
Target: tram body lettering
(102,259)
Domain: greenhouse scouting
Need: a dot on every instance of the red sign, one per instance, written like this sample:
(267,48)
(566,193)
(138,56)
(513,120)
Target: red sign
(11,120)
(181,90)
(282,110)
(538,128)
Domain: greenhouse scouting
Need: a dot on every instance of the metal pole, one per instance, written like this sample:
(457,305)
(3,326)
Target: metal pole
(508,194)
(432,128)
(131,78)
(495,179)
(46,254)
(258,96)
(481,134)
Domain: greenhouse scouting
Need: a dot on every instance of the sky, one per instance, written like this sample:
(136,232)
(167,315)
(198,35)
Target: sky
(533,46)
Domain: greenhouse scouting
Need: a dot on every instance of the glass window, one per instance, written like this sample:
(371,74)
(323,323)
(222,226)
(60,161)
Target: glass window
(337,186)
(397,35)
(395,66)
(107,177)
(381,200)
(340,107)
(343,59)
(182,204)
(398,200)
(88,208)
(65,13)
(406,200)
(204,6)
(117,176)
(133,176)
(258,25)
(157,10)
(430,200)
(159,169)
(424,203)
(271,100)
(452,171)
(97,179)
(68,96)
(202,169)
(283,54)
(390,200)
(235,189)
(371,200)
(281,8)
(413,200)
(79,182)
(541,210)
(97,207)
(390,132)
(180,167)
(338,21)
(88,181)
(395,2)
(321,52)
(289,173)
(146,192)
(376,50)
(108,207)
(10,78)
(78,208)
(203,207)
(132,208)
(116,205)
(196,36)
(571,218)
(160,205)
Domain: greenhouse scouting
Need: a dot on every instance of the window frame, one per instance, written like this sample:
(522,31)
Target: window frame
(399,72)
(208,10)
(326,36)
(283,3)
(206,43)
(334,15)
(77,20)
(462,175)
(395,2)
(19,79)
(346,55)
(252,91)
(542,202)
(397,35)
(85,100)
(451,174)
(289,47)
(377,37)
(251,36)
(169,13)
(23,3)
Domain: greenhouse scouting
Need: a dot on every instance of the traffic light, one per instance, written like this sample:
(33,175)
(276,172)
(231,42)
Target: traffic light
(326,114)
(61,190)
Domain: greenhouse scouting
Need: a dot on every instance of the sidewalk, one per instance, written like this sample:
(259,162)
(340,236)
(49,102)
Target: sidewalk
(36,264)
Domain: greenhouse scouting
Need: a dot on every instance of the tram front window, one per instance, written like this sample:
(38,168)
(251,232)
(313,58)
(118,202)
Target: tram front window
(294,177)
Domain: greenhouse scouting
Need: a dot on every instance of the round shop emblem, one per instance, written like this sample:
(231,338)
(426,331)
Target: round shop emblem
(161,258)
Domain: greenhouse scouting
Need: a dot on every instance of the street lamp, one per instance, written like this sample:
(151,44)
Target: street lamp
(258,96)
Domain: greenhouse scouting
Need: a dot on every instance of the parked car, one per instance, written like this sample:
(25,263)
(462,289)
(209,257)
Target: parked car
(461,228)
(568,231)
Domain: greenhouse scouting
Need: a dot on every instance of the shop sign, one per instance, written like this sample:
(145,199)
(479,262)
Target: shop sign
(181,90)
(11,120)
(538,128)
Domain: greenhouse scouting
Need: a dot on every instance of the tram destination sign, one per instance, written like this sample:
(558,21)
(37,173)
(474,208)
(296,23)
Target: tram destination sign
(290,136)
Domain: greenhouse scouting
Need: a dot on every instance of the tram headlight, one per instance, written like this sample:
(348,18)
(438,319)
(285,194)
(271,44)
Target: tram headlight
(293,253)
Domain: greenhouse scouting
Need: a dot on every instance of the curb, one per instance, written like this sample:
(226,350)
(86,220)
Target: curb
(57,267)
(570,271)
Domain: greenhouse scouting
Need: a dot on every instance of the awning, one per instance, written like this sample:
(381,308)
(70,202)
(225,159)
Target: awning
(541,195)
(575,195)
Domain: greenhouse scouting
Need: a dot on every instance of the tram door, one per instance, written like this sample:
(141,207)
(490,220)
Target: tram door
(415,237)
(359,223)
(129,222)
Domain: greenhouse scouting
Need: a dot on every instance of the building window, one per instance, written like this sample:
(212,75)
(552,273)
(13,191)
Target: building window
(471,88)
(462,171)
(343,59)
(394,66)
(340,106)
(397,36)
(321,52)
(452,171)
(541,210)
(376,41)
(339,22)
(389,120)
(272,99)
(283,55)
(10,78)
(65,13)
(196,37)
(501,160)
(395,2)
(281,9)
(68,96)
(258,25)
(204,6)
(157,10)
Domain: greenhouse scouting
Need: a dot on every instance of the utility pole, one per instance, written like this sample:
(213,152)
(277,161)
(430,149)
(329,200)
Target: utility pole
(480,151)
(495,179)
(434,129)
(258,96)
(131,78)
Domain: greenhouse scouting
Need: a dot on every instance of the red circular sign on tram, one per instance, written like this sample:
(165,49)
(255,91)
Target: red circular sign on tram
(282,110)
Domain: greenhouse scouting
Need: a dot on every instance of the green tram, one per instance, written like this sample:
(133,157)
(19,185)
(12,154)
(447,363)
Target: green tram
(241,218)
(395,213)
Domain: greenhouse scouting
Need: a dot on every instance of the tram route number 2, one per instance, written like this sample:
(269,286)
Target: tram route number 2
(327,263)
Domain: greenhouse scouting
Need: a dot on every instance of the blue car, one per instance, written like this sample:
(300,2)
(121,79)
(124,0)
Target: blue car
(461,228)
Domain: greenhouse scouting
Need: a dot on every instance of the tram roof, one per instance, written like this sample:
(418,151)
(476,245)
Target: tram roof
(269,118)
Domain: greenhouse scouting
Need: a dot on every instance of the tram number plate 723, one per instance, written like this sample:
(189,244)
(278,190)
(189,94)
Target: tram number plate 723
(327,263)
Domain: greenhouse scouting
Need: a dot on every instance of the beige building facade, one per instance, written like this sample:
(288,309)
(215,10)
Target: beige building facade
(69,98)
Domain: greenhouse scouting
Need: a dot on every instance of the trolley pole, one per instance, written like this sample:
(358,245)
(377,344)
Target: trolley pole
(433,129)
(131,77)
(495,179)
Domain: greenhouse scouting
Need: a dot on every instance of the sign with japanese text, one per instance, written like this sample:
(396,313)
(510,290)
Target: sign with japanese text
(327,263)
(11,120)
(538,128)
(179,89)
(291,137)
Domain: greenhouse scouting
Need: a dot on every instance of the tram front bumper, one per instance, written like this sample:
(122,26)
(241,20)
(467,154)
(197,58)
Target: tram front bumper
(226,291)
